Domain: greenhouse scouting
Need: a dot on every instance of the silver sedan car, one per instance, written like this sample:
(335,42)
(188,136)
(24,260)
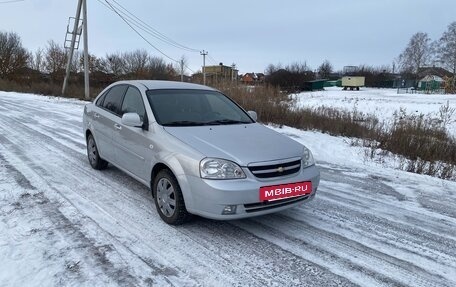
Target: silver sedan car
(197,150)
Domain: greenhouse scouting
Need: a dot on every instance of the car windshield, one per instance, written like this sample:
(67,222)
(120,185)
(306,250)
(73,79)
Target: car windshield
(195,108)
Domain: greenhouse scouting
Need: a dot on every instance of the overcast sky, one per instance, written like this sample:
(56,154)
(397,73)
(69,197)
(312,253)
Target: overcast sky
(252,33)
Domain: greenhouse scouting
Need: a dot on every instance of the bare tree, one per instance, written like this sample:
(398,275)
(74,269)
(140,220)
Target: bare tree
(13,56)
(325,70)
(55,58)
(95,64)
(298,68)
(136,62)
(36,60)
(417,54)
(271,68)
(446,48)
(158,69)
(114,64)
(291,78)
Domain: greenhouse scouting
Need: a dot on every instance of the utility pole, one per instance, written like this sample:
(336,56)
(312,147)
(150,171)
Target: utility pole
(182,69)
(86,52)
(204,54)
(72,46)
(233,69)
(82,5)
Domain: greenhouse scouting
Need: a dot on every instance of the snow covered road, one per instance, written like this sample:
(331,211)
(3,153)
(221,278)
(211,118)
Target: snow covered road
(63,223)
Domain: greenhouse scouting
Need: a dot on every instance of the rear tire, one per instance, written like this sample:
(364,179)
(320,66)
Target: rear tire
(168,198)
(92,153)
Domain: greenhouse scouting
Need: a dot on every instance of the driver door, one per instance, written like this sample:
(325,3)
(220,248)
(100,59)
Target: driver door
(132,142)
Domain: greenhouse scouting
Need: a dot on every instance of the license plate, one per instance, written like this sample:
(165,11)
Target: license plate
(282,191)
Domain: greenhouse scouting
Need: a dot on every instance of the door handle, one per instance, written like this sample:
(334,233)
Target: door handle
(96,115)
(117,126)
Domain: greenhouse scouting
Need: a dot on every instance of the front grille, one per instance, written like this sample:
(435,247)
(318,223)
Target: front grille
(254,207)
(276,170)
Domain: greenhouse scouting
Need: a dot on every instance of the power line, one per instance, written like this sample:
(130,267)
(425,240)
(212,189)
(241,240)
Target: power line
(139,34)
(142,27)
(166,38)
(11,1)
(137,22)
(212,59)
(189,69)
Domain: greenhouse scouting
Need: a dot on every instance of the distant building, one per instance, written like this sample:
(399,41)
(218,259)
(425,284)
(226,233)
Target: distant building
(433,71)
(353,82)
(252,78)
(315,85)
(432,79)
(431,84)
(219,73)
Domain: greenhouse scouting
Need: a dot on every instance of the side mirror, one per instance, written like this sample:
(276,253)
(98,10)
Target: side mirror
(253,115)
(132,120)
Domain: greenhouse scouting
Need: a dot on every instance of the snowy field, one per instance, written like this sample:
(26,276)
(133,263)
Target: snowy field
(64,224)
(382,103)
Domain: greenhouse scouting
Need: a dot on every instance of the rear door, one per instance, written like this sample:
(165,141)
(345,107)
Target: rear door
(106,119)
(132,142)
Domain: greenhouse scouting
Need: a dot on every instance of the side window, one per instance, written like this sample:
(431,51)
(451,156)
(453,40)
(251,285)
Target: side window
(113,99)
(100,100)
(133,103)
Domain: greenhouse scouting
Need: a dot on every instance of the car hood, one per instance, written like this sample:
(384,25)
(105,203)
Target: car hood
(243,144)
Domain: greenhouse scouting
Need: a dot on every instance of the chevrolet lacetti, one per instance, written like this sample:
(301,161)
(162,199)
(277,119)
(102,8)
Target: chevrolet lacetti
(198,151)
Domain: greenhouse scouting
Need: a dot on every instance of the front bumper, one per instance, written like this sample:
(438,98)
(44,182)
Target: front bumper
(208,198)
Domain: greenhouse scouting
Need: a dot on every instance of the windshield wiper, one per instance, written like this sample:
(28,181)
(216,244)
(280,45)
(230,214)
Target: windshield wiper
(182,124)
(226,122)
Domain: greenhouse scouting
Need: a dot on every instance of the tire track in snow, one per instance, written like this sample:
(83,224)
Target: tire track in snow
(432,243)
(271,250)
(37,223)
(279,267)
(439,232)
(374,261)
(68,193)
(247,269)
(49,142)
(230,246)
(427,221)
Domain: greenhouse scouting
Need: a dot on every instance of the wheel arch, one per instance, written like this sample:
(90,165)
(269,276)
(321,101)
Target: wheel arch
(87,133)
(155,170)
(177,171)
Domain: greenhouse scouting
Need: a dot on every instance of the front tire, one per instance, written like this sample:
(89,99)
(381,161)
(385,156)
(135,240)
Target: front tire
(168,198)
(92,153)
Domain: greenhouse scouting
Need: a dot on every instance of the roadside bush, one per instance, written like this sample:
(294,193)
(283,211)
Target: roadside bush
(420,137)
(270,104)
(46,88)
(13,56)
(274,107)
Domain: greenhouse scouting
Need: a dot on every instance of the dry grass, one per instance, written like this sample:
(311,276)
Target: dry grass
(422,142)
(49,89)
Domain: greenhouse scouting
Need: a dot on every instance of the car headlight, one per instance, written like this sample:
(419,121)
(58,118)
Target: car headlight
(307,158)
(214,168)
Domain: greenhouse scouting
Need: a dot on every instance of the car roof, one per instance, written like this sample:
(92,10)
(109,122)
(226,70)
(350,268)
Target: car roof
(158,85)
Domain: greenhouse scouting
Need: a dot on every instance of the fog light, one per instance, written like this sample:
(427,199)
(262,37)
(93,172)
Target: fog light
(229,209)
